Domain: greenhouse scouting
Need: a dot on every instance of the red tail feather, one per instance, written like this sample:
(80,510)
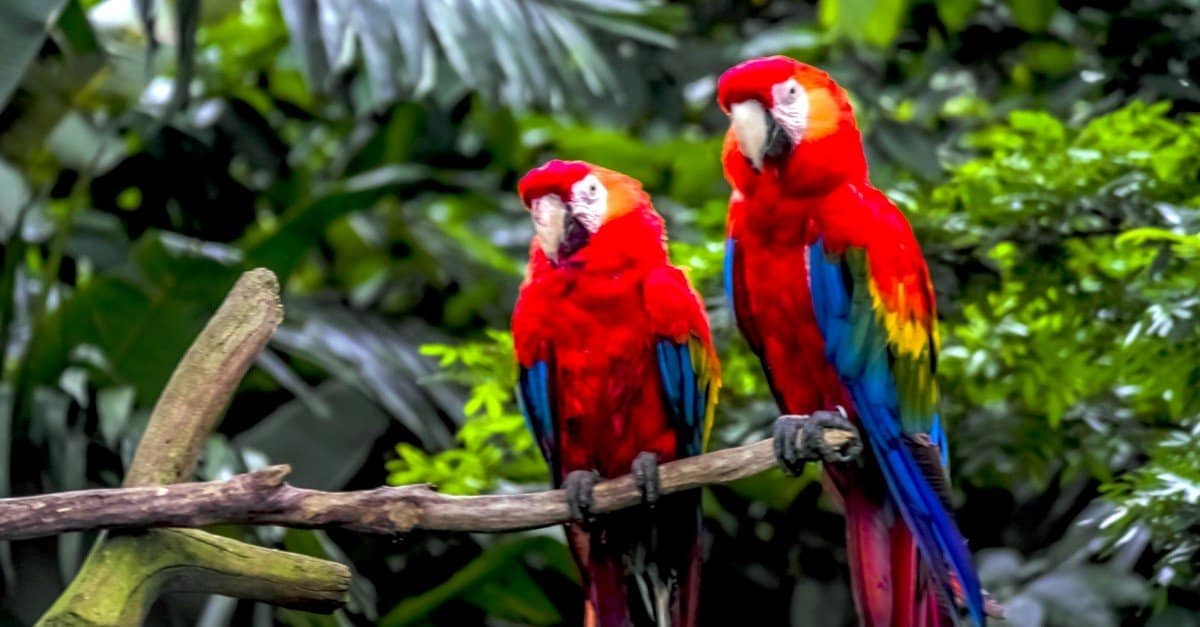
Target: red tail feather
(639,571)
(889,590)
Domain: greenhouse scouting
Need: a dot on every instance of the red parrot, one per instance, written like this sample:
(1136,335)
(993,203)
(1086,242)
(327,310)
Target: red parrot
(830,290)
(617,373)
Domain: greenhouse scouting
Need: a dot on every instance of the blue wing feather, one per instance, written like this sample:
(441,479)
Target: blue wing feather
(861,358)
(668,367)
(685,387)
(688,377)
(533,396)
(727,273)
(686,395)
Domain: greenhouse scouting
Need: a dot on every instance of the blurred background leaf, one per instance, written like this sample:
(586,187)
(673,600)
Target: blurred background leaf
(367,151)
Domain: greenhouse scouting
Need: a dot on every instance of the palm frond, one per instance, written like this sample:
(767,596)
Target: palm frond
(517,52)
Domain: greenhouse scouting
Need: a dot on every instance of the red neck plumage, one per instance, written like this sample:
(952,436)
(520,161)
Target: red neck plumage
(814,167)
(785,204)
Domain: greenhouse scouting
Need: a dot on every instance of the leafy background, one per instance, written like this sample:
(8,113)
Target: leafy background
(366,151)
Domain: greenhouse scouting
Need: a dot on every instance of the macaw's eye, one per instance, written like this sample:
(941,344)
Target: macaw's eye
(790,108)
(589,202)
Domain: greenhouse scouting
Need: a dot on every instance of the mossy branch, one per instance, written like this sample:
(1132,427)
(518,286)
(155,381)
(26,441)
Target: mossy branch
(206,379)
(124,573)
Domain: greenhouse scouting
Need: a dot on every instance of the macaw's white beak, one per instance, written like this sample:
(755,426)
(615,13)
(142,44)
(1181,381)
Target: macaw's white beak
(757,133)
(549,222)
(748,120)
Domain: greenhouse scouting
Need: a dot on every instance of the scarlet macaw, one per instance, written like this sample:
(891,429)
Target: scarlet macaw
(829,288)
(617,373)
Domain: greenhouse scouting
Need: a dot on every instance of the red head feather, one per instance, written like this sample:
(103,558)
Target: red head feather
(826,146)
(577,209)
(555,177)
(751,80)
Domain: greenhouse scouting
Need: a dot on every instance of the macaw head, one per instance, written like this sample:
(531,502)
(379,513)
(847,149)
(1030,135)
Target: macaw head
(571,201)
(788,117)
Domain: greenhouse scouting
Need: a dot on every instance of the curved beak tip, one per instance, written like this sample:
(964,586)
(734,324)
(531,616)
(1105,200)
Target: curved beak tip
(749,122)
(549,214)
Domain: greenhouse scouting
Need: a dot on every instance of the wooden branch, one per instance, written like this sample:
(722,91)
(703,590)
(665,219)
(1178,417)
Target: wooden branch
(127,572)
(264,498)
(205,380)
(124,574)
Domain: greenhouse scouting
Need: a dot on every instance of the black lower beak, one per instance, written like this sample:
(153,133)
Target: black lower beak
(778,143)
(575,236)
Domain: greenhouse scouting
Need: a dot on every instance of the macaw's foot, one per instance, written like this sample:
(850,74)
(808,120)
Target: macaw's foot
(578,485)
(826,436)
(645,475)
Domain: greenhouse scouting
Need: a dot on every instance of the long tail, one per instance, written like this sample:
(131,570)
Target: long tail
(891,587)
(921,507)
(642,568)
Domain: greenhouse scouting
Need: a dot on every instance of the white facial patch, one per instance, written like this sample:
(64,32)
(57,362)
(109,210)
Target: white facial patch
(549,214)
(790,109)
(589,202)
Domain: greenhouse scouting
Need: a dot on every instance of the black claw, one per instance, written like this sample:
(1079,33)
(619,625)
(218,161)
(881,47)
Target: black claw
(814,444)
(645,475)
(786,428)
(578,485)
(816,440)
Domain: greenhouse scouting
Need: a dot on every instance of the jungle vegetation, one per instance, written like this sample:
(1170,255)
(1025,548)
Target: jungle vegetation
(1048,155)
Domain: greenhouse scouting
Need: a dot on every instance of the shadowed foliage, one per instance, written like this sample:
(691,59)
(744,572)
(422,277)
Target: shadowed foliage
(367,152)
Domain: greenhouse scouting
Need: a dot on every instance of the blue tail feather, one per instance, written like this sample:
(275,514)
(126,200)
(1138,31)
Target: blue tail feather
(855,347)
(937,434)
(934,530)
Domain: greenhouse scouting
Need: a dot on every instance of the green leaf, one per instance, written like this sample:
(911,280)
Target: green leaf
(114,406)
(187,20)
(325,451)
(23,25)
(301,227)
(876,22)
(377,42)
(303,20)
(518,52)
(143,324)
(1032,15)
(377,359)
(1050,58)
(74,381)
(75,27)
(497,581)
(955,13)
(14,196)
(77,144)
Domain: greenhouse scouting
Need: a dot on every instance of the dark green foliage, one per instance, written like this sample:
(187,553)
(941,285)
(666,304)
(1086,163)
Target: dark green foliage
(1079,312)
(1044,152)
